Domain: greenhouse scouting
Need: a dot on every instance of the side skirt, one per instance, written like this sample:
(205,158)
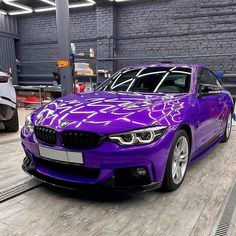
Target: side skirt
(206,148)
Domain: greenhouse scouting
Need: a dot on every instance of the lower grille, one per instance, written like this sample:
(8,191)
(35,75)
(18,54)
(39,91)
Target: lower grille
(81,139)
(45,134)
(70,170)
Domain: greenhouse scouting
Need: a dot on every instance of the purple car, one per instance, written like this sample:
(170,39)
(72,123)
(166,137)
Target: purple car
(139,130)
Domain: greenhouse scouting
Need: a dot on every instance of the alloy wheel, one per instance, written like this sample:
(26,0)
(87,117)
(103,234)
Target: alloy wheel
(229,125)
(180,159)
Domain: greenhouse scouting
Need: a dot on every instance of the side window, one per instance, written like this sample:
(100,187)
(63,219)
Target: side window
(203,77)
(207,77)
(215,79)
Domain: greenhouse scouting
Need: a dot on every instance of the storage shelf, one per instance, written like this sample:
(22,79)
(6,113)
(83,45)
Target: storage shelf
(85,77)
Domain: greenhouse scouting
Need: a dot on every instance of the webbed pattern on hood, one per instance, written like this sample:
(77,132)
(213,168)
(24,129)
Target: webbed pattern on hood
(108,109)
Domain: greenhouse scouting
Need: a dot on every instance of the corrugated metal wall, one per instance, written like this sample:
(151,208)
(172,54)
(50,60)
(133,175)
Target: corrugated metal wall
(7,54)
(8,35)
(8,24)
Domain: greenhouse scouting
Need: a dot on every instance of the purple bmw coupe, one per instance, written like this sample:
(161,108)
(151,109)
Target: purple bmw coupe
(139,130)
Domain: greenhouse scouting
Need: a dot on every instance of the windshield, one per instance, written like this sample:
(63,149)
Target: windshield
(150,80)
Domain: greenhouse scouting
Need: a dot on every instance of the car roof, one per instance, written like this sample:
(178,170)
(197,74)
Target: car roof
(192,66)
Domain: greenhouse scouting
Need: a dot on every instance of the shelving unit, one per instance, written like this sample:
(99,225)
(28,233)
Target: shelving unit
(40,92)
(91,79)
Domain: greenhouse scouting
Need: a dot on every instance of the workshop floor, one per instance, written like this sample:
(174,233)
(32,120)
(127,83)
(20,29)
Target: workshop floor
(192,210)
(6,137)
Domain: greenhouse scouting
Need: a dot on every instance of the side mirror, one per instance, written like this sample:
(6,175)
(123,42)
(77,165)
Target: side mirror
(207,89)
(203,88)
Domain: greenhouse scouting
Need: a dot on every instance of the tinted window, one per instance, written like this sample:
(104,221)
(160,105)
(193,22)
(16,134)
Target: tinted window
(176,83)
(151,80)
(214,78)
(207,77)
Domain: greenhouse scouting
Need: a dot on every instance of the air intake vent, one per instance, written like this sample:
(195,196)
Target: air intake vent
(69,170)
(81,139)
(46,135)
(3,79)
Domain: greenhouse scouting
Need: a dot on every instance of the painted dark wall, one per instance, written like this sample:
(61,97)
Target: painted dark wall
(197,31)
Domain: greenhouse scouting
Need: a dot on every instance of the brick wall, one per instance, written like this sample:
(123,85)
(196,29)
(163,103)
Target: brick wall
(39,38)
(179,30)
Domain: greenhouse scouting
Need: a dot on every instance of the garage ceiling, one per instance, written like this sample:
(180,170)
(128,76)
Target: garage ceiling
(18,7)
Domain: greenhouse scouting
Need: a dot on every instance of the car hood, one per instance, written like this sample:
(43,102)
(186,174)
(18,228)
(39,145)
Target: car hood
(109,112)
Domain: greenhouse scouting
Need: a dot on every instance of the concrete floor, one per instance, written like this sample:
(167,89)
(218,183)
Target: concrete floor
(191,210)
(6,137)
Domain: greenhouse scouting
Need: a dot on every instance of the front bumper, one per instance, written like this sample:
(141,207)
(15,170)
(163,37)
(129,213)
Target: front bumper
(108,185)
(109,165)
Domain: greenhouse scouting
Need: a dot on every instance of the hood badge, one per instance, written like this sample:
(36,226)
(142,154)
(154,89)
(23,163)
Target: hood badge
(64,124)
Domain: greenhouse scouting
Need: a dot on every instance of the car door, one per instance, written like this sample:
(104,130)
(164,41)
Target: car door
(221,106)
(210,110)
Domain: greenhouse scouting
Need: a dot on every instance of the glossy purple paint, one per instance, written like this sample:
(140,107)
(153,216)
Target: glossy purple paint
(111,112)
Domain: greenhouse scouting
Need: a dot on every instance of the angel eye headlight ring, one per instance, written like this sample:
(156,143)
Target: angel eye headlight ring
(138,137)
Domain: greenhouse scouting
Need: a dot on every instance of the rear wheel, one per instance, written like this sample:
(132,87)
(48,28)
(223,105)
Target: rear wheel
(177,162)
(228,128)
(13,124)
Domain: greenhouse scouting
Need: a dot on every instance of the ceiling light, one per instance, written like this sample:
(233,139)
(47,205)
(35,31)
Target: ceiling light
(73,5)
(50,2)
(81,5)
(14,13)
(17,5)
(44,9)
(3,12)
(26,9)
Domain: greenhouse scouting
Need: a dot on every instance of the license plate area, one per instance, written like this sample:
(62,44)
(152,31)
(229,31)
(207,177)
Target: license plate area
(62,156)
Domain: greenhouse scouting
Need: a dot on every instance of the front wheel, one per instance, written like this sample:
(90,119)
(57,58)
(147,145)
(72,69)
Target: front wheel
(228,128)
(177,162)
(13,124)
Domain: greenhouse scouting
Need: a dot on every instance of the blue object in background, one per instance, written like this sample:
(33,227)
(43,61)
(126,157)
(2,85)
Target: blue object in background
(220,74)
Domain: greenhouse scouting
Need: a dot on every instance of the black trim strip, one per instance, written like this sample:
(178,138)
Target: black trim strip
(8,99)
(206,146)
(108,185)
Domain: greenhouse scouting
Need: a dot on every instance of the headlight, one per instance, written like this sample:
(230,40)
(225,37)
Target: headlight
(28,124)
(138,137)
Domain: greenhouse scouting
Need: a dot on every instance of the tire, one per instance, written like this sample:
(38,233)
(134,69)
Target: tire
(171,180)
(13,124)
(228,128)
